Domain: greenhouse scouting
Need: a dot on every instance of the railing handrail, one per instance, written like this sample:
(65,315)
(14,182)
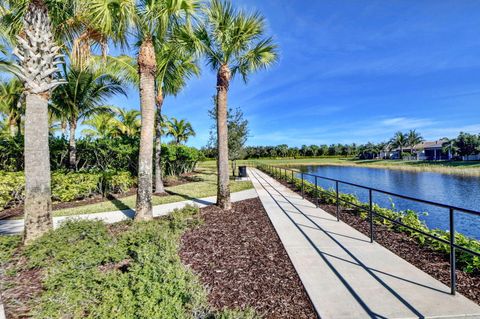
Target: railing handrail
(372,212)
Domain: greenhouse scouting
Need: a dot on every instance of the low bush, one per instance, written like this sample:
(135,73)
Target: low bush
(127,270)
(467,261)
(66,185)
(179,159)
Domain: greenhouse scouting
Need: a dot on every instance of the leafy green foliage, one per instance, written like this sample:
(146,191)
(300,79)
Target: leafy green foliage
(126,270)
(67,185)
(8,245)
(409,217)
(179,159)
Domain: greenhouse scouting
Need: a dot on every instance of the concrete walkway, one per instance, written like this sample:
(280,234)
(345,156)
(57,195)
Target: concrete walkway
(344,274)
(9,227)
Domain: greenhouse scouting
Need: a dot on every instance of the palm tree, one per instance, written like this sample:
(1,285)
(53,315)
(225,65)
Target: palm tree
(154,20)
(100,126)
(176,64)
(127,122)
(180,130)
(11,96)
(83,95)
(413,139)
(399,141)
(38,56)
(233,42)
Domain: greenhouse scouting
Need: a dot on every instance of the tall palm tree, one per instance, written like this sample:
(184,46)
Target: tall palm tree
(38,57)
(180,130)
(233,42)
(83,95)
(176,64)
(399,141)
(11,93)
(154,20)
(414,138)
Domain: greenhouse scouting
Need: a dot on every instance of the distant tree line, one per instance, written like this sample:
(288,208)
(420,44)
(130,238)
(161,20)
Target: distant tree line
(406,144)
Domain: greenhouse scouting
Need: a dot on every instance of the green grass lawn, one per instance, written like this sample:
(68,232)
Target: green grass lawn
(470,168)
(205,187)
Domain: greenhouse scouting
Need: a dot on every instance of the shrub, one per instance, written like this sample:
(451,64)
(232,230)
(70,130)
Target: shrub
(66,185)
(12,187)
(125,270)
(179,159)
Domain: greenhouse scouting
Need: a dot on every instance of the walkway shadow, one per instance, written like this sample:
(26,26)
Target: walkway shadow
(357,261)
(193,199)
(125,209)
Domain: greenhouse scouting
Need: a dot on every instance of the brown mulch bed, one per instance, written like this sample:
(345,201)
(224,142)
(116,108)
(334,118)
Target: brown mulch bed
(432,262)
(240,259)
(20,289)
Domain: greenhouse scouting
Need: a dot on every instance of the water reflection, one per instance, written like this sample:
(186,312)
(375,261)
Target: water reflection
(461,191)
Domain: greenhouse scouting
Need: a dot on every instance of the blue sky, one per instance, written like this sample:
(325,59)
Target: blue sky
(352,71)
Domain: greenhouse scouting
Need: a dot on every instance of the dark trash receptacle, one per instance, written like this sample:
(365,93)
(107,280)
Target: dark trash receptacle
(242,171)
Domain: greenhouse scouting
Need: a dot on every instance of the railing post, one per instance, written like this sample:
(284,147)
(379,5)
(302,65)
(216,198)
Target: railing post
(337,200)
(316,190)
(453,267)
(293,181)
(371,214)
(303,195)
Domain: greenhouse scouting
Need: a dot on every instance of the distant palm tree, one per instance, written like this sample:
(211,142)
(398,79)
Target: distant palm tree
(100,126)
(180,131)
(233,43)
(84,95)
(11,105)
(399,141)
(449,146)
(127,122)
(413,139)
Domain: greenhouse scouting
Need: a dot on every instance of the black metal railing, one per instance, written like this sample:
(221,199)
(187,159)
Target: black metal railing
(372,213)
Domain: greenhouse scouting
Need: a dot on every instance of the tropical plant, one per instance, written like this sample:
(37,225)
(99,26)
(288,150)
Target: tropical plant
(100,126)
(38,57)
(414,138)
(180,130)
(11,96)
(399,141)
(233,43)
(127,122)
(83,95)
(154,20)
(176,64)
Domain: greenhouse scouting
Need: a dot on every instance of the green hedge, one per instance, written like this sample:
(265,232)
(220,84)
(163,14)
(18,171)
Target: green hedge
(179,159)
(410,218)
(66,186)
(117,154)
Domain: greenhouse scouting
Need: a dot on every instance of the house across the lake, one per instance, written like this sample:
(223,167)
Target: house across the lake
(432,151)
(426,151)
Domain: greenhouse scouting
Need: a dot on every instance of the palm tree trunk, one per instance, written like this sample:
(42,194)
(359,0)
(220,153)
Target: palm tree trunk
(159,187)
(72,145)
(38,203)
(147,70)
(13,126)
(223,190)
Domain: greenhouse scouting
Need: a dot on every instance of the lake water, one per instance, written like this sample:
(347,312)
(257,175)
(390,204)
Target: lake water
(455,190)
